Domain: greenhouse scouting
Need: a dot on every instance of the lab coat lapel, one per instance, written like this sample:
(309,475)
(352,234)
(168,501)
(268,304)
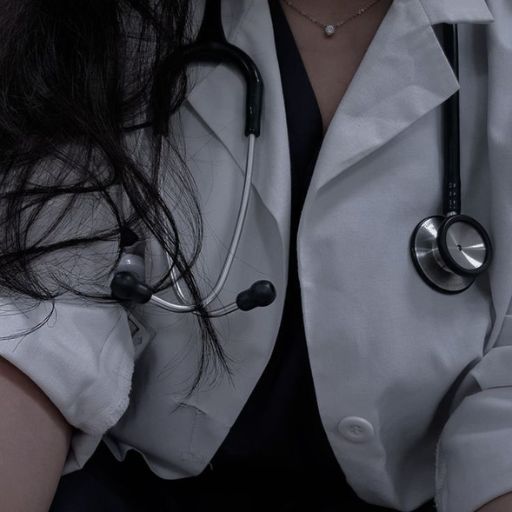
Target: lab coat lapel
(219,99)
(499,138)
(404,75)
(457,11)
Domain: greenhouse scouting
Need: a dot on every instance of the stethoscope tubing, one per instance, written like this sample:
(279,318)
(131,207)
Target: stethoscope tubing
(451,112)
(211,46)
(184,307)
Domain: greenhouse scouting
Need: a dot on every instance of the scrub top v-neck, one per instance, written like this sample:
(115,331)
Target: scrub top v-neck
(279,431)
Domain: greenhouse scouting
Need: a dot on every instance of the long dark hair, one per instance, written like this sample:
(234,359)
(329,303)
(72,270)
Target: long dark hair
(78,80)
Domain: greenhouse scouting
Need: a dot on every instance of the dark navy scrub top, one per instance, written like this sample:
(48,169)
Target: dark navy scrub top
(279,429)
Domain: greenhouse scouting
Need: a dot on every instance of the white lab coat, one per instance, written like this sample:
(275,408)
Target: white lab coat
(414,387)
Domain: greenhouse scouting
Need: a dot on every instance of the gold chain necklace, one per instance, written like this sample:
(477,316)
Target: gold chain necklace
(330,28)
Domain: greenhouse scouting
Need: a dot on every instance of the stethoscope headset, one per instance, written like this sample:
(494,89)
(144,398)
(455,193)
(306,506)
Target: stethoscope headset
(449,251)
(128,283)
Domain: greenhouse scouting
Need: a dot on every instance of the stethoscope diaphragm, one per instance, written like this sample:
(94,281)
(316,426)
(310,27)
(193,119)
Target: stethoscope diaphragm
(449,252)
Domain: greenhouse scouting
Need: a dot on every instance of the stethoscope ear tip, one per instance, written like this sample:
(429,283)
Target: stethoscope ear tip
(126,287)
(259,295)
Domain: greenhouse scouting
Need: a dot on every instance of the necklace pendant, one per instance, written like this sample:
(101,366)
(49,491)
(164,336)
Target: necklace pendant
(329,30)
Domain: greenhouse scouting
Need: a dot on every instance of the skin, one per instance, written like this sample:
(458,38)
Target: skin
(501,504)
(34,440)
(331,64)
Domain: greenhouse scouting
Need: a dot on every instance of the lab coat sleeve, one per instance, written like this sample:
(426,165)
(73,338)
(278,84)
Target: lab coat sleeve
(474,459)
(474,462)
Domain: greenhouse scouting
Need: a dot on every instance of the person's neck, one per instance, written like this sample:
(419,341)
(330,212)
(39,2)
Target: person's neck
(330,11)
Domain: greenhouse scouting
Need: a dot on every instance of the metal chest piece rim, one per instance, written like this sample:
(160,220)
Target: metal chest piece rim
(449,252)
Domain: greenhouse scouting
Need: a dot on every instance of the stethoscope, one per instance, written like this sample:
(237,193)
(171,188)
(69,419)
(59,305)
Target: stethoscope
(449,251)
(128,283)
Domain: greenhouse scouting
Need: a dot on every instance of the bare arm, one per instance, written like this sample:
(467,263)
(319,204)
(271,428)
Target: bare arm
(34,441)
(501,504)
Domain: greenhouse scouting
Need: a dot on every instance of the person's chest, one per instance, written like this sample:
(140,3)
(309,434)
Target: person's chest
(332,61)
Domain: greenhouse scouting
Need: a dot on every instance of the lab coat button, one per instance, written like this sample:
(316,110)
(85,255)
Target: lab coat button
(356,430)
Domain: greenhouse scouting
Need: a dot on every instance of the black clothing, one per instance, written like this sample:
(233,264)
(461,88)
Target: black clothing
(279,429)
(106,485)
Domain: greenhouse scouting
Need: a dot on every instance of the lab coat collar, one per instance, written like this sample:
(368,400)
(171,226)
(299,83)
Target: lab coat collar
(457,11)
(403,76)
(219,99)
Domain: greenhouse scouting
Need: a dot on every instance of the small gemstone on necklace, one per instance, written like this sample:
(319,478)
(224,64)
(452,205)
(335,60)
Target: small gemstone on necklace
(329,30)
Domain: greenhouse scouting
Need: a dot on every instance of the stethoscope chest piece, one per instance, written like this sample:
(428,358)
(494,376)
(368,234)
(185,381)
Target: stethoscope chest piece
(450,252)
